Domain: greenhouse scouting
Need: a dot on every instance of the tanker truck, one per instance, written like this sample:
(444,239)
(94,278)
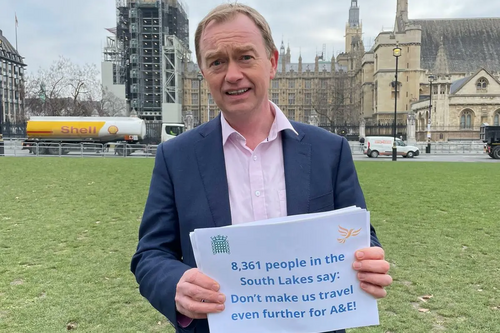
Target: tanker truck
(60,135)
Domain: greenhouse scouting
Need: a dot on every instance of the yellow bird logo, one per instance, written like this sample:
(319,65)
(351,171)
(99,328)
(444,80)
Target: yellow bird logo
(346,233)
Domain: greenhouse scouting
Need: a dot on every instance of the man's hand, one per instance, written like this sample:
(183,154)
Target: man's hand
(372,271)
(197,295)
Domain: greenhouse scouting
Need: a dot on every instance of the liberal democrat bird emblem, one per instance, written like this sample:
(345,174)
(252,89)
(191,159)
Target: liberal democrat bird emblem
(346,233)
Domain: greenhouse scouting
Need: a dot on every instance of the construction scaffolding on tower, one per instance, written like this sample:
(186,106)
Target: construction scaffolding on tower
(175,54)
(149,51)
(122,41)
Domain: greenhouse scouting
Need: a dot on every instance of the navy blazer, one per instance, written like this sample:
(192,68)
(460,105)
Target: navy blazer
(189,190)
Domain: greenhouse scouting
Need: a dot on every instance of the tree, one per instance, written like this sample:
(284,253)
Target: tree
(334,102)
(65,89)
(110,105)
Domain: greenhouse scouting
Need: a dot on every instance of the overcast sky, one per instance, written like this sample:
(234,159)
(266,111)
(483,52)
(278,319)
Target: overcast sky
(75,29)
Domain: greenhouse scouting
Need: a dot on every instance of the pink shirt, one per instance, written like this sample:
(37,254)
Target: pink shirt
(256,179)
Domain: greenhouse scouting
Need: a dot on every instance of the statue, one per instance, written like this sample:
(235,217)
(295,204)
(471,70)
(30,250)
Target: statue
(411,129)
(188,121)
(313,119)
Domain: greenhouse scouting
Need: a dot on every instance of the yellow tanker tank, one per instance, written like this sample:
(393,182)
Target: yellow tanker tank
(96,129)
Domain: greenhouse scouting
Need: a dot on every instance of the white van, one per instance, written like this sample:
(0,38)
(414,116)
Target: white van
(382,145)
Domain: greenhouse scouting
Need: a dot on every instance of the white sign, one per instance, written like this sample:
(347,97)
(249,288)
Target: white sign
(290,274)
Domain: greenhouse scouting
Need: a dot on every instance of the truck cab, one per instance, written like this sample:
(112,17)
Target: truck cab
(170,131)
(490,135)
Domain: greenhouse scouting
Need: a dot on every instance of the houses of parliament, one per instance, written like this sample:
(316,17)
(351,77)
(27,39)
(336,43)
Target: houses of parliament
(448,77)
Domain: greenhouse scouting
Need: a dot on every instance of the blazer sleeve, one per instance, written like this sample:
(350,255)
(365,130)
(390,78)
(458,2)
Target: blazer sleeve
(347,189)
(157,263)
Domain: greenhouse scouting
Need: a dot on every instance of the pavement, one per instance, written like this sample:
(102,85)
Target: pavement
(432,158)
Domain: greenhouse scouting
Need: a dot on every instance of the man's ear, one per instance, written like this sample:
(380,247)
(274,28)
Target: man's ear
(274,63)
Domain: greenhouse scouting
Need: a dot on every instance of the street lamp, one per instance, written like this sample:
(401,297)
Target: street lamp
(396,52)
(431,79)
(200,78)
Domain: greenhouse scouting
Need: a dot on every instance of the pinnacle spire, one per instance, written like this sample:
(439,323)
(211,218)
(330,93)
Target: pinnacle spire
(401,16)
(441,64)
(354,14)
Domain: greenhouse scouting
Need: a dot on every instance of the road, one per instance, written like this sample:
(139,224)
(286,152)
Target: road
(13,148)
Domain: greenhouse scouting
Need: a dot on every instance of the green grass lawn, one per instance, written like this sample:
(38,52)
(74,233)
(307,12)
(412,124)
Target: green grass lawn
(68,229)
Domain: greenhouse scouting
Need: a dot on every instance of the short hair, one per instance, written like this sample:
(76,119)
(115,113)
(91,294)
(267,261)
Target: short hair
(228,11)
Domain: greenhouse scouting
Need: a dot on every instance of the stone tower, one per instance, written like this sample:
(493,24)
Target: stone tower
(353,29)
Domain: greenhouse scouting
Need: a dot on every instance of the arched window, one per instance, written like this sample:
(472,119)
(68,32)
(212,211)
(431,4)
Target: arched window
(482,84)
(466,119)
(496,118)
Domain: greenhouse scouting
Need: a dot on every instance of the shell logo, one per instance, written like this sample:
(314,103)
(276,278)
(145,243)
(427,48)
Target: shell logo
(112,129)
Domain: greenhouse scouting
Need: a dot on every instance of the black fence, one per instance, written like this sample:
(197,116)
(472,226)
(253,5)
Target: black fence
(13,130)
(153,133)
(386,130)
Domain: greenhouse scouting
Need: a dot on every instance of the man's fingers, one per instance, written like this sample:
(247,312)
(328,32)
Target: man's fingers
(372,266)
(370,253)
(381,280)
(197,310)
(198,293)
(194,276)
(374,290)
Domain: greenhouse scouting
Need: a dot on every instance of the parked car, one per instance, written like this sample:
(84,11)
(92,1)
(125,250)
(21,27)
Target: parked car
(382,145)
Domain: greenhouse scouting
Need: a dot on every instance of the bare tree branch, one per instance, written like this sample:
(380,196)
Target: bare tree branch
(334,101)
(65,89)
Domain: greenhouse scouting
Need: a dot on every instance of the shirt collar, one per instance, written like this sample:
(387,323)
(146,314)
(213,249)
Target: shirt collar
(280,123)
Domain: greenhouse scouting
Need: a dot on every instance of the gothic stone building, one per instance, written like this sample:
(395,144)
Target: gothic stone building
(11,82)
(458,58)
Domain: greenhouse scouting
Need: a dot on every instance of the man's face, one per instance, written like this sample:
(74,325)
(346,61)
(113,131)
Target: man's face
(237,66)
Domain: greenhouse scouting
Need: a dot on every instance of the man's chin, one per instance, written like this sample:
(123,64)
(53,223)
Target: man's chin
(241,107)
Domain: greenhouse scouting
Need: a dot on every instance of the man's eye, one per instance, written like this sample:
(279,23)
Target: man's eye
(246,57)
(216,63)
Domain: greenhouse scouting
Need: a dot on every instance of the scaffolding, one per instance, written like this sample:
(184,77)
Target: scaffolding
(174,56)
(113,53)
(122,42)
(152,39)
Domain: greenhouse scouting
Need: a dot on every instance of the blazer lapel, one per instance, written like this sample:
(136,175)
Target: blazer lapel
(212,168)
(297,161)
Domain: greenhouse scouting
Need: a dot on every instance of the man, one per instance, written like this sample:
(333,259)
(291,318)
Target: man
(248,164)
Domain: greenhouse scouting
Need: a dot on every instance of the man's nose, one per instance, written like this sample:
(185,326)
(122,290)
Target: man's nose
(233,72)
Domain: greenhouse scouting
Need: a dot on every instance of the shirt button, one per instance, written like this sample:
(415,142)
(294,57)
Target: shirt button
(254,157)
(257,193)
